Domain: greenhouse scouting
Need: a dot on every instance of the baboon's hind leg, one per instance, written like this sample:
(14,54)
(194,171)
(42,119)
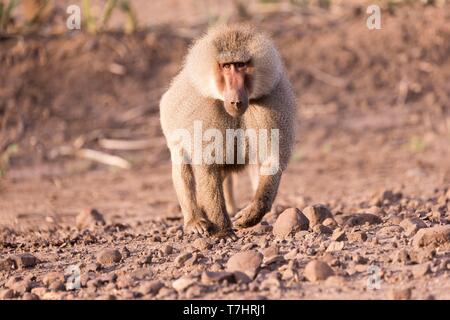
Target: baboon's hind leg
(228,193)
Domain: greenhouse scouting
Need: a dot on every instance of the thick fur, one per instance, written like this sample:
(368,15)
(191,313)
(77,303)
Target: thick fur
(193,96)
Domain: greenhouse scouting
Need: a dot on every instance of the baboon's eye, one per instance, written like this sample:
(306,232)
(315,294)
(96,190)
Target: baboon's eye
(226,65)
(240,65)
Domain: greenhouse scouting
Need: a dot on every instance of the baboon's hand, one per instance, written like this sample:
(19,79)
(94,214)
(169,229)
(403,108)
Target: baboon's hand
(248,217)
(198,226)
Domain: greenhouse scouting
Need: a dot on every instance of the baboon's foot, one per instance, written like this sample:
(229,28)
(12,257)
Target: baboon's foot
(198,226)
(250,216)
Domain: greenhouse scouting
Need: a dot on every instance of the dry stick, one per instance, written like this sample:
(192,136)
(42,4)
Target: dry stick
(103,158)
(115,144)
(327,78)
(93,155)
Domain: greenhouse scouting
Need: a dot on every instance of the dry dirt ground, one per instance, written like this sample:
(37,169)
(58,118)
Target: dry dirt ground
(373,149)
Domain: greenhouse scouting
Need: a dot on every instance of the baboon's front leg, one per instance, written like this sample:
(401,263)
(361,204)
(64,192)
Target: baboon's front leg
(262,202)
(184,182)
(210,198)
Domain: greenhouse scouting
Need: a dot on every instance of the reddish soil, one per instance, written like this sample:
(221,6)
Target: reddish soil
(373,137)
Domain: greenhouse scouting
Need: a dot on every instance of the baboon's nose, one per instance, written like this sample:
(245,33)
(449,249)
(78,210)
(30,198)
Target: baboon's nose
(236,104)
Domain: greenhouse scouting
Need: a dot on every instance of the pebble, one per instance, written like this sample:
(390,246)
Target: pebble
(151,287)
(435,236)
(183,283)
(209,277)
(167,249)
(316,214)
(338,235)
(321,229)
(89,218)
(421,270)
(6,294)
(19,284)
(7,264)
(291,254)
(412,225)
(329,222)
(317,271)
(109,256)
(246,262)
(357,236)
(29,296)
(182,258)
(52,277)
(400,294)
(57,285)
(201,244)
(288,222)
(361,219)
(335,246)
(25,260)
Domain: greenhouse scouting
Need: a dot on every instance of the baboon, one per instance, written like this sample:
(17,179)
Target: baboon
(232,78)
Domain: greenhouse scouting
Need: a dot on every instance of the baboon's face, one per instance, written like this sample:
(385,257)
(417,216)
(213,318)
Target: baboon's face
(234,82)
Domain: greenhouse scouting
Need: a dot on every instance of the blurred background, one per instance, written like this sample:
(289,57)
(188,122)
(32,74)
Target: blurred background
(79,123)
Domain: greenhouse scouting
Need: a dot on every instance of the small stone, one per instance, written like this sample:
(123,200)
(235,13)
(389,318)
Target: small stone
(400,294)
(271,283)
(52,277)
(317,271)
(39,291)
(271,255)
(421,270)
(335,246)
(402,256)
(246,262)
(357,236)
(167,249)
(7,294)
(125,252)
(435,236)
(151,287)
(336,281)
(106,297)
(338,235)
(329,222)
(182,258)
(356,257)
(361,219)
(389,232)
(183,283)
(109,256)
(25,260)
(93,267)
(29,296)
(321,229)
(316,214)
(209,277)
(412,225)
(7,264)
(53,295)
(18,284)
(201,244)
(288,222)
(291,254)
(57,285)
(89,218)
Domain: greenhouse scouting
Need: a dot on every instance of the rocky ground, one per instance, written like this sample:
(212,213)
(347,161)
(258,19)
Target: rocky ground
(363,211)
(310,253)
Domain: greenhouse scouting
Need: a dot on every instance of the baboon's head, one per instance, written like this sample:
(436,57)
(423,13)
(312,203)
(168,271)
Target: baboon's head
(234,64)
